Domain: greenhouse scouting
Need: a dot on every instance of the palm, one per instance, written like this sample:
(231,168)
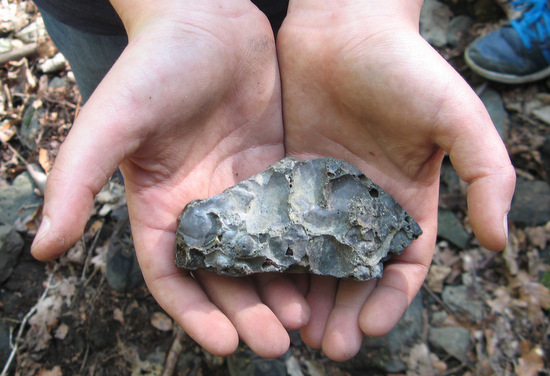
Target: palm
(380,97)
(188,110)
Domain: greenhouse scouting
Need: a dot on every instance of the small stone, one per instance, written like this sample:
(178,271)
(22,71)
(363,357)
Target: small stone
(458,27)
(531,203)
(454,340)
(11,246)
(495,106)
(18,200)
(464,303)
(450,228)
(321,216)
(434,22)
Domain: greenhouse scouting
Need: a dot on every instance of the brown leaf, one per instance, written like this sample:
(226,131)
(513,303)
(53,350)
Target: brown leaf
(161,322)
(55,371)
(531,363)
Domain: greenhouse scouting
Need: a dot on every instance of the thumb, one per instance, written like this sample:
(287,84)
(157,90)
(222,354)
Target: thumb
(86,160)
(481,159)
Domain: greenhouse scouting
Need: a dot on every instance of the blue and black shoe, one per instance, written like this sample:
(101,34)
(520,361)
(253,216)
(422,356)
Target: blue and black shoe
(516,53)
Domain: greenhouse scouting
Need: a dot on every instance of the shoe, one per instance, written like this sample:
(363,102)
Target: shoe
(516,53)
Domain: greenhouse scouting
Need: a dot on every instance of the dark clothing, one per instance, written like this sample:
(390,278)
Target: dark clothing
(99,17)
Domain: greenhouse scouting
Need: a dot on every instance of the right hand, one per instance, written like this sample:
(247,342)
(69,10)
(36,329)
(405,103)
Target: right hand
(191,107)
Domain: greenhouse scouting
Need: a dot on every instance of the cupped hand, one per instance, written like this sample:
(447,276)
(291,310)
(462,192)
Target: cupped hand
(359,83)
(191,107)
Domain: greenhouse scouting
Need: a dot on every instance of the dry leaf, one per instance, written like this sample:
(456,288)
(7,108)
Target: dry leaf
(161,321)
(55,371)
(61,331)
(6,131)
(436,277)
(531,363)
(118,315)
(45,161)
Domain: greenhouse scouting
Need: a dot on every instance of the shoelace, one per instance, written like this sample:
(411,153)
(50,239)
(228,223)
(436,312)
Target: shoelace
(534,24)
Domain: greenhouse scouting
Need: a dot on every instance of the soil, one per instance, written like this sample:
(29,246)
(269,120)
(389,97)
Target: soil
(65,319)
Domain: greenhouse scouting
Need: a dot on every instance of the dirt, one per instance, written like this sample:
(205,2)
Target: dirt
(65,319)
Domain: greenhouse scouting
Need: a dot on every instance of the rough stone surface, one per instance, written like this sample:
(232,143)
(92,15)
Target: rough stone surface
(321,216)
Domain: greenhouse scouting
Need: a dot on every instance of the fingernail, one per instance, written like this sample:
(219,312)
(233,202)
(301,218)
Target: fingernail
(42,231)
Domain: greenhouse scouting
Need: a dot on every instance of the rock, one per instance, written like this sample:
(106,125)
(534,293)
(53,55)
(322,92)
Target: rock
(531,203)
(543,114)
(122,270)
(5,348)
(30,125)
(458,27)
(321,216)
(434,22)
(450,228)
(454,340)
(18,200)
(545,155)
(495,106)
(11,246)
(464,303)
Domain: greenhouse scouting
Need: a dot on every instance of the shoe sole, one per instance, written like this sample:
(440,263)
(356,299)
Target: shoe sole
(506,78)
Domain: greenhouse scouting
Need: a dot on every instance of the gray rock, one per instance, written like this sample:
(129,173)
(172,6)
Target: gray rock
(321,216)
(30,125)
(531,204)
(454,340)
(434,22)
(11,245)
(450,228)
(495,106)
(458,27)
(464,302)
(18,200)
(543,114)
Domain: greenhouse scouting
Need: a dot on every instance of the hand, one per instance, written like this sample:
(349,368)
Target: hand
(191,107)
(359,83)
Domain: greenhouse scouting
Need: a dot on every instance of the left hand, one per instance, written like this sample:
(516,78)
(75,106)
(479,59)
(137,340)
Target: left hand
(361,84)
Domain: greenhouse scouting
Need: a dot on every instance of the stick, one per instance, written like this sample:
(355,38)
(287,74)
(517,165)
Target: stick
(27,317)
(26,50)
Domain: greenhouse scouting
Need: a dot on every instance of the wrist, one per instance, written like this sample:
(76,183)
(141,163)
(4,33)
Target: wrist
(373,13)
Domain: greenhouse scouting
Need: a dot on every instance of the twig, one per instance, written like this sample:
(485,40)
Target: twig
(437,299)
(18,53)
(27,317)
(174,353)
(90,252)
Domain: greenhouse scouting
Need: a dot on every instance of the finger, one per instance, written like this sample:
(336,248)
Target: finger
(179,294)
(86,160)
(343,336)
(320,298)
(481,159)
(256,324)
(283,297)
(398,286)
